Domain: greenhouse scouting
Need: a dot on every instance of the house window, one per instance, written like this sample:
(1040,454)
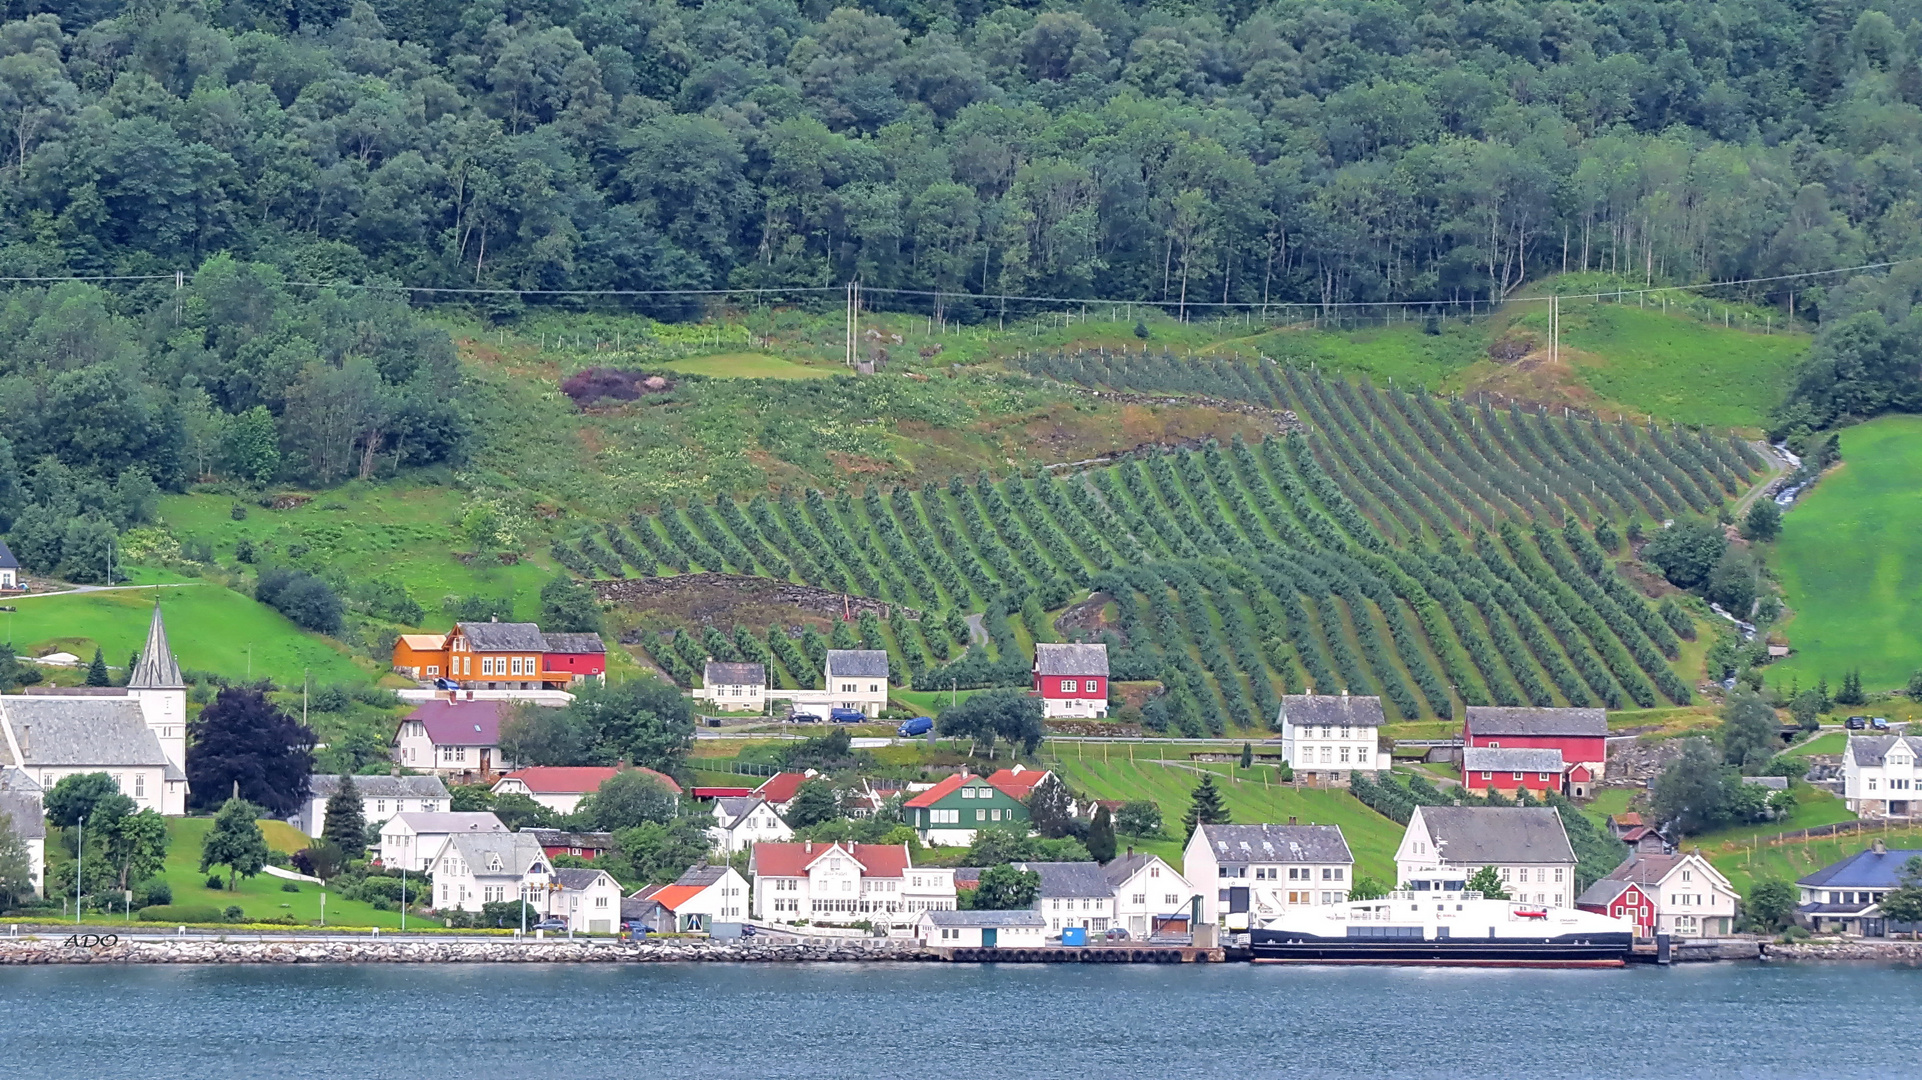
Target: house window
(874,688)
(1327,755)
(980,815)
(433,669)
(139,785)
(1068,686)
(967,793)
(1488,776)
(1518,778)
(1344,755)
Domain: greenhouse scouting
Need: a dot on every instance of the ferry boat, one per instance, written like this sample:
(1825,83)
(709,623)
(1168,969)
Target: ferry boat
(1443,929)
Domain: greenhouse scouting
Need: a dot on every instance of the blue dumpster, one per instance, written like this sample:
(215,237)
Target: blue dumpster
(1074,935)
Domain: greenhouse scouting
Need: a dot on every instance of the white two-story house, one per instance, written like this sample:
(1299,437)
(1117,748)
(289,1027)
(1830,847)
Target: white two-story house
(459,739)
(1246,874)
(733,687)
(1691,898)
(741,821)
(1327,737)
(845,883)
(1880,777)
(381,797)
(857,679)
(1147,893)
(1444,846)
(471,869)
(411,840)
(590,900)
(1073,894)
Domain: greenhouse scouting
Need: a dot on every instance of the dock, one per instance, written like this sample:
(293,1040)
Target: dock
(1085,954)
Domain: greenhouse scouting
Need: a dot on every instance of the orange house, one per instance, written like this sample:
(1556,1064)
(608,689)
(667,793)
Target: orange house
(421,656)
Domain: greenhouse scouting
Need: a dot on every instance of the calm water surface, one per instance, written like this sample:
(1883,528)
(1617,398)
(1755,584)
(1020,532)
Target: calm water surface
(825,1022)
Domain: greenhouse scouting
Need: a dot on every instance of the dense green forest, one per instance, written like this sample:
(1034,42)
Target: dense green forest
(1180,154)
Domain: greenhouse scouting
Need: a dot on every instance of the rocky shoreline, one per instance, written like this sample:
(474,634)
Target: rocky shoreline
(1879,952)
(56,950)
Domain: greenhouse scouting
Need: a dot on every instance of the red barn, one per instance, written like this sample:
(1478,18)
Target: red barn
(575,656)
(1510,770)
(1580,734)
(1072,680)
(1620,900)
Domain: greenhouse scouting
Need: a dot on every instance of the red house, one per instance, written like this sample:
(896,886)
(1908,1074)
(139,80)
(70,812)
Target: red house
(576,656)
(587,845)
(1581,735)
(1510,770)
(1072,680)
(1621,900)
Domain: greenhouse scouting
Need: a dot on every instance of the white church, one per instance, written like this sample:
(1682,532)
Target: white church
(135,733)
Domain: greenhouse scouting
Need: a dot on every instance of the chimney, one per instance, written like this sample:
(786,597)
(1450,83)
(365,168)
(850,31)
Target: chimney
(1878,847)
(1292,819)
(1131,849)
(1344,691)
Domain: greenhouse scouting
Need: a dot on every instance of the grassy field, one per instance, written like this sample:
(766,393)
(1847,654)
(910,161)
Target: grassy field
(928,702)
(209,627)
(749,365)
(1743,864)
(1829,742)
(1850,562)
(1677,368)
(1371,837)
(1402,353)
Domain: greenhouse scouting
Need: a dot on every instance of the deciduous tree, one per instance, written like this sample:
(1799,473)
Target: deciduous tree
(243,739)
(235,841)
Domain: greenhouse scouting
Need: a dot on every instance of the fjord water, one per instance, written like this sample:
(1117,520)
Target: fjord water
(826,1022)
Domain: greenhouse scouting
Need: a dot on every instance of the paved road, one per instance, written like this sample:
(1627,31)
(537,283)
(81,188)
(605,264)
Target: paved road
(70,590)
(1777,468)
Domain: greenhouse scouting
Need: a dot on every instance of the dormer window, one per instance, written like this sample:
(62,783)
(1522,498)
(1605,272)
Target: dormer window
(493,864)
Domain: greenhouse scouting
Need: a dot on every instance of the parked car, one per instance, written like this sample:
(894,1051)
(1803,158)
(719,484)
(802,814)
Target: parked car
(920,725)
(1116,933)
(847,716)
(551,924)
(1856,723)
(803,718)
(1879,723)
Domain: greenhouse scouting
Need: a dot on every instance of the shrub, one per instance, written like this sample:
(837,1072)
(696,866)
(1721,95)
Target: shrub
(179,913)
(290,886)
(233,913)
(215,881)
(153,893)
(238,513)
(310,602)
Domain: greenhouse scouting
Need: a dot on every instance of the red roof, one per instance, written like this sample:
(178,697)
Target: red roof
(461,723)
(575,779)
(1018,785)
(793,860)
(1628,818)
(939,791)
(1637,833)
(1580,772)
(721,792)
(780,787)
(672,897)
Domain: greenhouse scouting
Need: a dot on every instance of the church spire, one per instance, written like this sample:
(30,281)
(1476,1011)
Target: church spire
(156,669)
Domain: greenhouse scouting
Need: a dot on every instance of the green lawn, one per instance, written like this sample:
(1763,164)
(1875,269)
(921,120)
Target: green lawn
(410,532)
(1850,562)
(1400,352)
(1829,742)
(261,897)
(1744,864)
(1609,801)
(1678,368)
(1813,807)
(211,628)
(749,366)
(928,702)
(1371,837)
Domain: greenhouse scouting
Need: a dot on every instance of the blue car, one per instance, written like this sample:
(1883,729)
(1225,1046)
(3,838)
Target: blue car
(847,716)
(920,725)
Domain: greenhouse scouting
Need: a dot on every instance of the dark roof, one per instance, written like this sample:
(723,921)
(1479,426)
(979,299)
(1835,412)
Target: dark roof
(7,561)
(1333,710)
(83,731)
(1773,783)
(20,800)
(1509,759)
(1499,720)
(1070,878)
(1484,835)
(1871,749)
(503,636)
(574,643)
(576,878)
(1602,893)
(1276,843)
(701,876)
(863,663)
(1649,867)
(723,673)
(322,785)
(562,838)
(1870,869)
(1123,867)
(1071,660)
(737,807)
(635,908)
(156,668)
(1017,917)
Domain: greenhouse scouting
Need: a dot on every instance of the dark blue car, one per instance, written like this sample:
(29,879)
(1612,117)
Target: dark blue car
(920,725)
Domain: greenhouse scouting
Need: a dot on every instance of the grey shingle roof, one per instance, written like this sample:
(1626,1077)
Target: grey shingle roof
(517,851)
(562,838)
(1872,749)
(1071,660)
(1479,759)
(860,663)
(702,875)
(577,879)
(723,673)
(574,643)
(1065,879)
(737,807)
(1602,893)
(986,919)
(1773,783)
(1648,867)
(322,785)
(503,636)
(1277,843)
(156,668)
(1333,710)
(82,731)
(452,821)
(1478,836)
(20,800)
(1500,720)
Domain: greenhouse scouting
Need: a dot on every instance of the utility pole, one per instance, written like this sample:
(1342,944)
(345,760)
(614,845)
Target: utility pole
(79,859)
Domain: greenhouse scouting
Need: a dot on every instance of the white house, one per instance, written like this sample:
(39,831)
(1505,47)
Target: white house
(53,736)
(1247,874)
(1146,891)
(1327,737)
(20,803)
(1880,777)
(698,899)
(1073,894)
(733,687)
(589,900)
(857,679)
(9,568)
(741,821)
(453,738)
(845,883)
(1021,929)
(474,868)
(1444,846)
(1692,898)
(381,797)
(561,788)
(412,839)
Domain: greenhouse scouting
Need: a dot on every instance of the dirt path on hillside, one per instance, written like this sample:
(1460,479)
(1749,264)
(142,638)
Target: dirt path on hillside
(1778,468)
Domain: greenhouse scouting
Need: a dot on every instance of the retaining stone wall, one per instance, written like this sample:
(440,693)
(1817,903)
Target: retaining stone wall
(52,950)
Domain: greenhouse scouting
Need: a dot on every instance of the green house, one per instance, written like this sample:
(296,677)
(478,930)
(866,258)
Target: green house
(951,811)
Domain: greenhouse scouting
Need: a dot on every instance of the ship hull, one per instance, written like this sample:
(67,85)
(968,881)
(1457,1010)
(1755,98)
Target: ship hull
(1573,950)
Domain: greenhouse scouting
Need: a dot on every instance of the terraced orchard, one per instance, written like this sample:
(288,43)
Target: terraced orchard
(1437,553)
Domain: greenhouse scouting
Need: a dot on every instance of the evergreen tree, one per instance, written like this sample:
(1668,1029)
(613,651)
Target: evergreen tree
(1247,755)
(1851,692)
(1606,537)
(1101,840)
(345,823)
(1207,807)
(97,671)
(235,841)
(1051,808)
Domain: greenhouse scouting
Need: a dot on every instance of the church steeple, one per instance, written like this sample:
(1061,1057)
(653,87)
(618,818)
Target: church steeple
(156,668)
